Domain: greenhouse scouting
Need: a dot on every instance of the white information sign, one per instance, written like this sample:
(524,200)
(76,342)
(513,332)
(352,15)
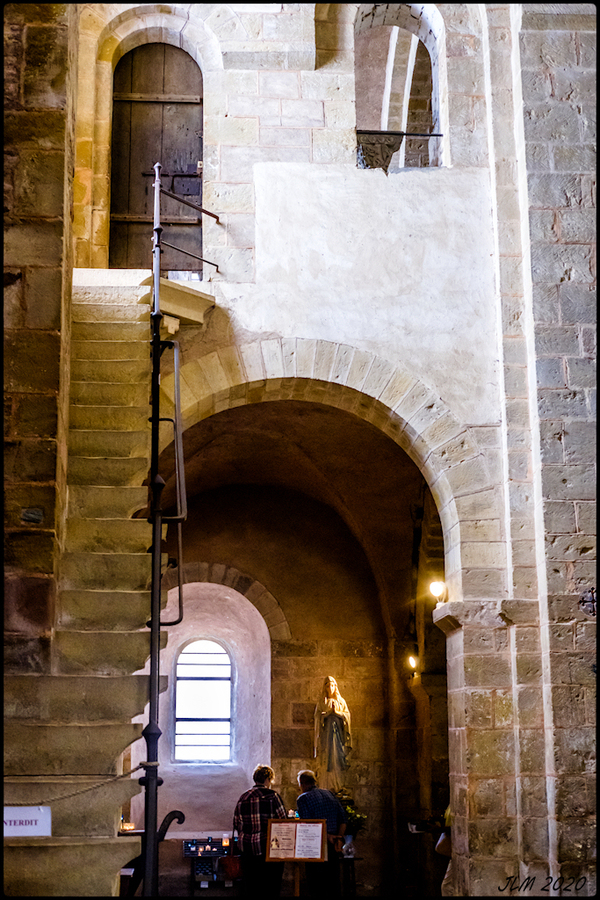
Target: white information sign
(297,839)
(308,840)
(27,821)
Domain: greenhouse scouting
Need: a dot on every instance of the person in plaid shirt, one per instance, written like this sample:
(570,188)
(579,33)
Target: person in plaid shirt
(251,820)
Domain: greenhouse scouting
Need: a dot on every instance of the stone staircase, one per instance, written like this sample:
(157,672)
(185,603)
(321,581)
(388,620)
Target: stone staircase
(75,730)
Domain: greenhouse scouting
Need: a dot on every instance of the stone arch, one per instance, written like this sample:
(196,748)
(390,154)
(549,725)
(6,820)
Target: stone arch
(426,23)
(196,30)
(249,587)
(445,450)
(458,32)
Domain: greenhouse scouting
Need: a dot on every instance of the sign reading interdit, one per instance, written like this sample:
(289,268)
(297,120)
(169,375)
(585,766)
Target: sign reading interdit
(27,821)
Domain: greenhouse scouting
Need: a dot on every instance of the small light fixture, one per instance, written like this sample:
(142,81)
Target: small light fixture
(438,589)
(412,661)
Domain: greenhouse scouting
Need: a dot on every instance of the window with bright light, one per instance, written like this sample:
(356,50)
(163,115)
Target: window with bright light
(203,703)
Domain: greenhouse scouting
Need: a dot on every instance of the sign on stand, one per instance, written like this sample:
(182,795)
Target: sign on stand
(302,840)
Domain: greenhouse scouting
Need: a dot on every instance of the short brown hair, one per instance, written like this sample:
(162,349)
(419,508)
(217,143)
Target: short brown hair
(262,774)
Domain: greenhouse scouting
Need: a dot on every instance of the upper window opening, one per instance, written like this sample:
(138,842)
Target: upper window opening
(401,85)
(203,703)
(394,111)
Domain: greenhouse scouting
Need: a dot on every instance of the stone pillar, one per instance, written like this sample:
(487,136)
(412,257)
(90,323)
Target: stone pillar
(39,123)
(483,746)
(558,63)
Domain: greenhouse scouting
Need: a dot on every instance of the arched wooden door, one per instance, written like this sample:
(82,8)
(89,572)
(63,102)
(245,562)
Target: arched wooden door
(157,117)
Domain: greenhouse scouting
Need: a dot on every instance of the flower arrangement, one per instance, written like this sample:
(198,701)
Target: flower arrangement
(356,821)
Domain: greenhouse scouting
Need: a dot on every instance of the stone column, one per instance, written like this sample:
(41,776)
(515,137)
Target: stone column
(483,745)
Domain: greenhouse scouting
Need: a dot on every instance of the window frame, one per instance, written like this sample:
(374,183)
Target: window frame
(212,761)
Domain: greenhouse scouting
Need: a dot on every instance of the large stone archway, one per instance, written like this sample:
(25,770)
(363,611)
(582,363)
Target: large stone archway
(481,622)
(456,468)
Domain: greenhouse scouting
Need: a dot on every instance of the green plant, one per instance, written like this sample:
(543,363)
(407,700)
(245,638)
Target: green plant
(355,821)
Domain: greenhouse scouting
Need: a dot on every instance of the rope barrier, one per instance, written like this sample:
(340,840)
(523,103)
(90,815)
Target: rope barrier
(89,788)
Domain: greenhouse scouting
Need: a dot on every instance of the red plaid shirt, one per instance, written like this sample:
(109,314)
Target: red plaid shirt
(251,818)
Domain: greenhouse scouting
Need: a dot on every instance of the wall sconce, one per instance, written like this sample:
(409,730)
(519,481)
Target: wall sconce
(587,602)
(438,590)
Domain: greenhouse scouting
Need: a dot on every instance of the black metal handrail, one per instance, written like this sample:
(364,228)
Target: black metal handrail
(152,732)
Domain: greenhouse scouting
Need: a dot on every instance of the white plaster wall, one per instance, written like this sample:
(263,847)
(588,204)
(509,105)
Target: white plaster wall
(399,265)
(208,802)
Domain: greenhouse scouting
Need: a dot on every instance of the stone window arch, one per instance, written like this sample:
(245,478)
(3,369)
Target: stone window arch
(400,85)
(231,609)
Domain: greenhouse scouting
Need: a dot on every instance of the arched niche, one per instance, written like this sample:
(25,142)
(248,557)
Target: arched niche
(207,792)
(400,77)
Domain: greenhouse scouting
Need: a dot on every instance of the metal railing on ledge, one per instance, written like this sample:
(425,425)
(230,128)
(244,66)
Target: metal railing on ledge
(376,148)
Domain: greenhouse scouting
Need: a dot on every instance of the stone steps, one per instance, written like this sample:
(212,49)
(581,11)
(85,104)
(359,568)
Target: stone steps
(111,348)
(106,393)
(101,653)
(115,371)
(61,862)
(62,699)
(83,610)
(117,444)
(111,312)
(105,502)
(71,728)
(112,418)
(90,748)
(116,332)
(102,470)
(107,535)
(78,815)
(109,571)
(106,562)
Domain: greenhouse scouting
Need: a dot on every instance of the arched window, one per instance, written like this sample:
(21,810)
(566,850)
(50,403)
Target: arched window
(203,703)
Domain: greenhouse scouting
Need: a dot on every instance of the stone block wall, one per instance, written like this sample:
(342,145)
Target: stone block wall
(381,747)
(557,51)
(39,45)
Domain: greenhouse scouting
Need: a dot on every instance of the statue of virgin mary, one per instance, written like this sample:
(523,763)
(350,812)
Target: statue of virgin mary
(333,739)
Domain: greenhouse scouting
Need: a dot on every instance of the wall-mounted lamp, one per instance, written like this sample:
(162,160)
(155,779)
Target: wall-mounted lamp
(438,589)
(412,661)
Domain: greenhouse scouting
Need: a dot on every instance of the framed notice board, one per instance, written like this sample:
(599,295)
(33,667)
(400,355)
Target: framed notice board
(297,839)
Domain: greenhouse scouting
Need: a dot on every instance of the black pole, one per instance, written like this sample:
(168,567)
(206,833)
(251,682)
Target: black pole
(152,732)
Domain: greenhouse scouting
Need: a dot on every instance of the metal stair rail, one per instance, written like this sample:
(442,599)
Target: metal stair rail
(152,732)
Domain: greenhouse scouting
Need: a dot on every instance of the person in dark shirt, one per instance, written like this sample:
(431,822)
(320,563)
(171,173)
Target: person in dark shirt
(315,803)
(251,821)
